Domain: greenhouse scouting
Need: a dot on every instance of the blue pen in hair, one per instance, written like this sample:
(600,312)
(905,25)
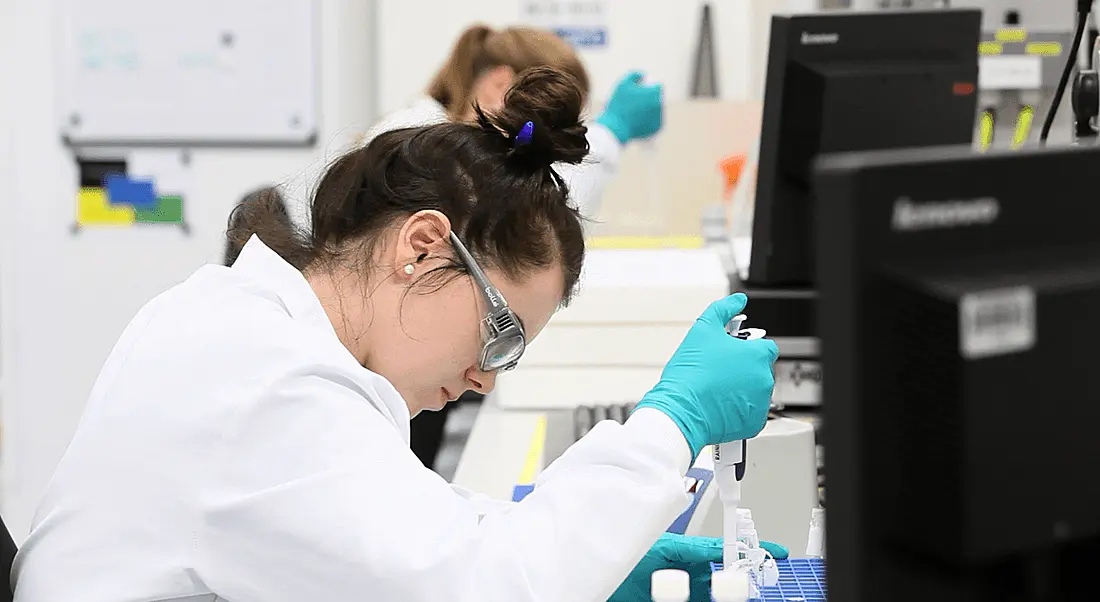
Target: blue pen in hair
(524,136)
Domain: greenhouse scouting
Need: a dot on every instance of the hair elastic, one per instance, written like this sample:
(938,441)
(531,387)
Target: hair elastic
(523,138)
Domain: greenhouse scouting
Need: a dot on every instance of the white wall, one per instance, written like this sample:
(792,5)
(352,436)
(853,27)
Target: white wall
(66,298)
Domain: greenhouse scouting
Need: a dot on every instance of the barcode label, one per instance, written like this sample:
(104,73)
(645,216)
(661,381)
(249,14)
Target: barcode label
(996,322)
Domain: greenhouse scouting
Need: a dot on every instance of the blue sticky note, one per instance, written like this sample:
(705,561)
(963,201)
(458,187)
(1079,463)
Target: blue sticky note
(121,190)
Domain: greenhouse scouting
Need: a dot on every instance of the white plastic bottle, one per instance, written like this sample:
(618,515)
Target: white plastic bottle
(670,585)
(729,586)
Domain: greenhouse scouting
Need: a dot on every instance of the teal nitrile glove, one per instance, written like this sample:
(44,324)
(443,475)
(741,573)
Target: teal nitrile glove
(691,554)
(777,551)
(635,110)
(673,551)
(716,387)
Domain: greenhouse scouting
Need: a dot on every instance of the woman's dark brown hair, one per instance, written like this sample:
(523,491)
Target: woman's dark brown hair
(504,200)
(481,48)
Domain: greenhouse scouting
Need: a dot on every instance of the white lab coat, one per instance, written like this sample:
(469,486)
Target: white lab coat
(233,449)
(586,181)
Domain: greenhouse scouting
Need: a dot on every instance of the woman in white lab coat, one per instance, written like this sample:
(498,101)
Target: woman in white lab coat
(481,67)
(247,438)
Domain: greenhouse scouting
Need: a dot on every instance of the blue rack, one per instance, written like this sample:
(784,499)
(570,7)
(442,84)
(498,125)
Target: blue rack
(800,579)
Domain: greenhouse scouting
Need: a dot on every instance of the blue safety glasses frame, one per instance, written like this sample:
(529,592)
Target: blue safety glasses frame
(504,340)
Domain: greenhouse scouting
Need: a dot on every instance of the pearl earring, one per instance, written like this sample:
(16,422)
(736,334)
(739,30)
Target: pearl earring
(409,269)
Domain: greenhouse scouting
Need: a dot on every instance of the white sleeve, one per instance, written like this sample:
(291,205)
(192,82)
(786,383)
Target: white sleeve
(481,503)
(318,498)
(588,180)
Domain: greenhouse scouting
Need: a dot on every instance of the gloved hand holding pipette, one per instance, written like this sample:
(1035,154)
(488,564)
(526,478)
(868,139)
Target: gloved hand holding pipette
(717,388)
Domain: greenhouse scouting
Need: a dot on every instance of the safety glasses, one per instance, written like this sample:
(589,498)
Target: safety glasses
(501,330)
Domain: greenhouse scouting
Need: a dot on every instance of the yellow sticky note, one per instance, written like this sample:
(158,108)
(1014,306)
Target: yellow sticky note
(93,209)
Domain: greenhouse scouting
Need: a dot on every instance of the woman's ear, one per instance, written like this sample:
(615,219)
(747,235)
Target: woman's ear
(424,234)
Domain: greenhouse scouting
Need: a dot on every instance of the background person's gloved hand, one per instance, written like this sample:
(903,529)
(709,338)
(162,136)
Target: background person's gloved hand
(691,554)
(716,387)
(635,110)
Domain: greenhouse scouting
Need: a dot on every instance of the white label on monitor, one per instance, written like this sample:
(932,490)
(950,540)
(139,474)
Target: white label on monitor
(996,322)
(1010,72)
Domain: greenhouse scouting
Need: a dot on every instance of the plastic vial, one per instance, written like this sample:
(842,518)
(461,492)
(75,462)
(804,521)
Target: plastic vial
(729,586)
(815,545)
(670,585)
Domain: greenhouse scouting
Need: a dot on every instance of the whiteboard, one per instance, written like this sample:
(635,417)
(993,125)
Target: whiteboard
(239,72)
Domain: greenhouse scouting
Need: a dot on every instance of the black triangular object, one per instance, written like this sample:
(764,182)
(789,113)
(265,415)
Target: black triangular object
(704,82)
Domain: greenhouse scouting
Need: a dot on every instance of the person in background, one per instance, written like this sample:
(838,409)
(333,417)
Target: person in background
(483,64)
(247,437)
(480,69)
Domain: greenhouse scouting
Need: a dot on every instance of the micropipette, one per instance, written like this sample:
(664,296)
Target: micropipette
(729,469)
(729,465)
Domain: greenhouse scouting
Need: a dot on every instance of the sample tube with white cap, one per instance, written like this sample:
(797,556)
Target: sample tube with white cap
(730,585)
(670,585)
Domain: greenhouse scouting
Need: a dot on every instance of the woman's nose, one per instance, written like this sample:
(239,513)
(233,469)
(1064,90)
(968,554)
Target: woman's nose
(481,381)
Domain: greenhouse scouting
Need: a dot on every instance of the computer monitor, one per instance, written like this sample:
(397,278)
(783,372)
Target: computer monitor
(959,315)
(851,82)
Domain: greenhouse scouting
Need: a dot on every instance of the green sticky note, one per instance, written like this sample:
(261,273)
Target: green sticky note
(168,210)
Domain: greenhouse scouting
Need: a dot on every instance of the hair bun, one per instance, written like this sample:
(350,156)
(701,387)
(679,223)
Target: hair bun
(551,101)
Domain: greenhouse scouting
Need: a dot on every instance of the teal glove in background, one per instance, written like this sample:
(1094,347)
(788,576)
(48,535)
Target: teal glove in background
(716,387)
(635,110)
(691,554)
(673,551)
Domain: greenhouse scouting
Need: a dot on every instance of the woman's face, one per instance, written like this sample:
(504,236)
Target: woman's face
(424,338)
(491,86)
(433,357)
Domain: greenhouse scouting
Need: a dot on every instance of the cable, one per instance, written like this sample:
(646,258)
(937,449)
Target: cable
(1084,7)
